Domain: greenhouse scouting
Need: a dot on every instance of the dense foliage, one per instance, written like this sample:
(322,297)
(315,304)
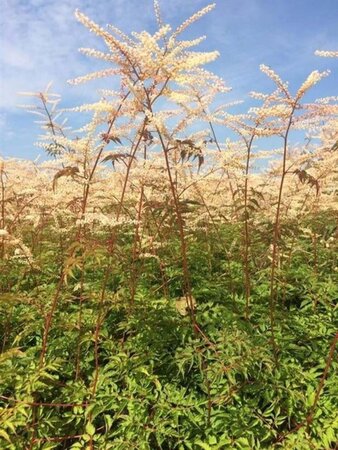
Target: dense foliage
(162,288)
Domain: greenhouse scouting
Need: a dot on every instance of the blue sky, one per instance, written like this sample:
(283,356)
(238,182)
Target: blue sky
(40,38)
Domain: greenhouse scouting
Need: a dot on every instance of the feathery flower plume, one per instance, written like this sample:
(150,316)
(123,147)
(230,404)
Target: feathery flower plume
(193,19)
(97,54)
(94,76)
(275,78)
(158,14)
(326,54)
(311,80)
(122,35)
(108,38)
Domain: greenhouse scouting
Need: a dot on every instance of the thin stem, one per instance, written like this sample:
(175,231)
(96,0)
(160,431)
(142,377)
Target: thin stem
(276,235)
(246,231)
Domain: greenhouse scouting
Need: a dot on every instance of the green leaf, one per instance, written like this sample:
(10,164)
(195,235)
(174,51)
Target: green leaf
(5,435)
(203,445)
(90,429)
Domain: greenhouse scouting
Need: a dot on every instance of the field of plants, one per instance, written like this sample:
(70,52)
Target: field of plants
(166,282)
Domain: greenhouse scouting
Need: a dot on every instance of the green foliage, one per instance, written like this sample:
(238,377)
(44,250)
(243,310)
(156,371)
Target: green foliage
(138,311)
(160,385)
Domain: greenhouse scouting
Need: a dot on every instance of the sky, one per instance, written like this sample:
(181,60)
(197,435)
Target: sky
(40,39)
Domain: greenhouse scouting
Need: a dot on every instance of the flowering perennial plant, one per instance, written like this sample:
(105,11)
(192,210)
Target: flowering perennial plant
(163,287)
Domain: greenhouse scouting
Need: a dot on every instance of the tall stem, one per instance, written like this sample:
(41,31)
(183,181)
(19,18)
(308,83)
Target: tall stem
(2,219)
(276,235)
(246,231)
